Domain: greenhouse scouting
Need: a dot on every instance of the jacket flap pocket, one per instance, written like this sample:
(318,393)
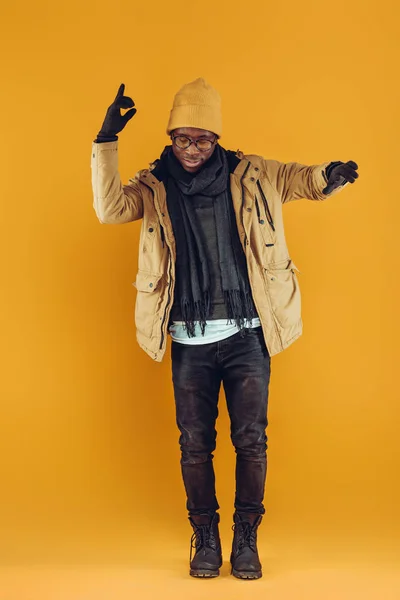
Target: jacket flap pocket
(293,266)
(283,266)
(146,282)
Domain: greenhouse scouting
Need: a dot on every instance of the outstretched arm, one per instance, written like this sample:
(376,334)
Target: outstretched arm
(294,181)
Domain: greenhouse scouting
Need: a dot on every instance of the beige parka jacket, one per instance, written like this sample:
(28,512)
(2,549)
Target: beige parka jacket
(259,188)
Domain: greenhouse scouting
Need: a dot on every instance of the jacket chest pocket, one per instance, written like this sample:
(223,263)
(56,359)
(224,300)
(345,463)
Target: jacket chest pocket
(149,289)
(284,292)
(149,231)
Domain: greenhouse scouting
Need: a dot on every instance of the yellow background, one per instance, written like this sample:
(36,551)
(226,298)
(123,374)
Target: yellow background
(89,450)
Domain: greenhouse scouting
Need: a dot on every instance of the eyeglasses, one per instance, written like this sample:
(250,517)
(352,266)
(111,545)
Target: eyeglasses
(183,142)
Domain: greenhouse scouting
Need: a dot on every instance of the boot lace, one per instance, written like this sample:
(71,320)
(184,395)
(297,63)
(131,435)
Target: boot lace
(246,535)
(201,539)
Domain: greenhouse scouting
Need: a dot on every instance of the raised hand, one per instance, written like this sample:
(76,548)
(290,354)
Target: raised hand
(114,122)
(341,174)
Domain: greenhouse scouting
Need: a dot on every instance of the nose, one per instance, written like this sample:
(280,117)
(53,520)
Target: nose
(192,150)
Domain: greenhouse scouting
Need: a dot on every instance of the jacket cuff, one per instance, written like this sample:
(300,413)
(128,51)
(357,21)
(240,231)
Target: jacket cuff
(320,182)
(102,139)
(331,166)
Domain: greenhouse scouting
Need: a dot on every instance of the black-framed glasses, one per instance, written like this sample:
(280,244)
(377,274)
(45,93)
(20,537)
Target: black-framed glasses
(183,142)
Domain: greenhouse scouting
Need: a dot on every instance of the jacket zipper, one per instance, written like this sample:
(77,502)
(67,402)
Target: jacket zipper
(266,207)
(168,301)
(241,212)
(169,288)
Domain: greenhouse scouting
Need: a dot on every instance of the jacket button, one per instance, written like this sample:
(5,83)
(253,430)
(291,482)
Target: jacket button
(252,179)
(249,209)
(262,221)
(151,229)
(150,284)
(256,169)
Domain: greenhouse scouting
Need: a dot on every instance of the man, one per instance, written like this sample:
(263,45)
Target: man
(214,272)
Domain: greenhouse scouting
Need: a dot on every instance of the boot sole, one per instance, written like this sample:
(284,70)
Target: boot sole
(246,574)
(204,573)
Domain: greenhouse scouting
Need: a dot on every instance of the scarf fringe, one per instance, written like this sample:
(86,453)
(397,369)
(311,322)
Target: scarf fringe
(196,311)
(239,303)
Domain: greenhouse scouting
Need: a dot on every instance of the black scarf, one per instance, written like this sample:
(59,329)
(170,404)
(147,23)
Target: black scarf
(193,278)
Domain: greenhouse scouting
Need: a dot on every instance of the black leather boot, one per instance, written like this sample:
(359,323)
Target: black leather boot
(244,556)
(206,541)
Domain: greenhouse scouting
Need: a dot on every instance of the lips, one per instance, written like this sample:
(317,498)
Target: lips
(191,162)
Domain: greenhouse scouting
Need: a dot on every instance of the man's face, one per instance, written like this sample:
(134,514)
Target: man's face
(191,158)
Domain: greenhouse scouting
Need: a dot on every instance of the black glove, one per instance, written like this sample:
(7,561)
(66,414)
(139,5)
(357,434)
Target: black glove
(114,122)
(338,173)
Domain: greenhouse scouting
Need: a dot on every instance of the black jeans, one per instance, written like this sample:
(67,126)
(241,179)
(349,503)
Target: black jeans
(243,365)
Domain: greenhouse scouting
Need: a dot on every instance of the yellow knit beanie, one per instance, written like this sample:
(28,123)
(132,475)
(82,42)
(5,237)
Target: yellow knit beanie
(196,104)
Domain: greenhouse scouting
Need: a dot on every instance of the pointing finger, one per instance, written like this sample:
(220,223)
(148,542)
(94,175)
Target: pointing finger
(120,91)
